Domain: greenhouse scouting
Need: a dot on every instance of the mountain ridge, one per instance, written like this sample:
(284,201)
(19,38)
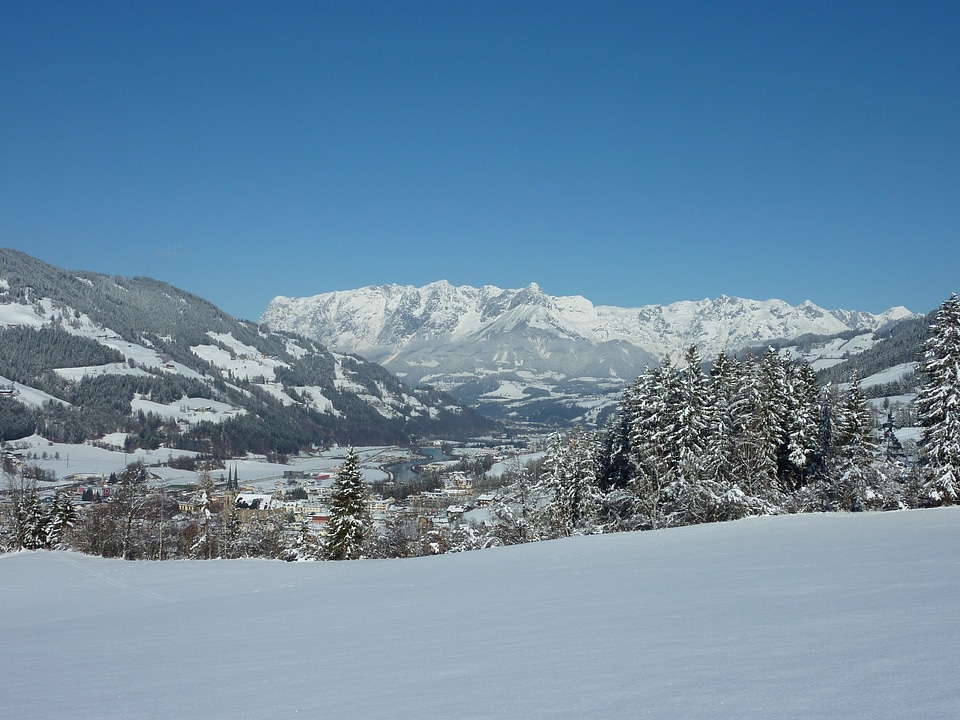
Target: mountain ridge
(161,346)
(347,317)
(512,348)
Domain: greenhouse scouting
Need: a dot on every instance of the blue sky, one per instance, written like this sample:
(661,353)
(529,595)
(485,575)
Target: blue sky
(633,153)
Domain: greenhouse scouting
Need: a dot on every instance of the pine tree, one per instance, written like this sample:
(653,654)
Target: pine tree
(36,520)
(23,519)
(890,445)
(802,424)
(758,414)
(855,451)
(513,510)
(693,492)
(305,545)
(654,440)
(62,518)
(938,403)
(569,486)
(349,519)
(718,454)
(728,501)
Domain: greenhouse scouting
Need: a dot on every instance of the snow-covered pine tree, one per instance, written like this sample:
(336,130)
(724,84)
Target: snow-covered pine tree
(775,376)
(569,486)
(583,494)
(512,512)
(306,545)
(819,495)
(802,450)
(23,519)
(894,486)
(890,446)
(654,440)
(36,520)
(938,403)
(730,502)
(758,413)
(548,521)
(718,455)
(694,495)
(63,515)
(855,451)
(615,470)
(349,518)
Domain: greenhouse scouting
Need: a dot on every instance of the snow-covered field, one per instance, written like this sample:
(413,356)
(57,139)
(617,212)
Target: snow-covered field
(816,616)
(69,462)
(27,395)
(892,374)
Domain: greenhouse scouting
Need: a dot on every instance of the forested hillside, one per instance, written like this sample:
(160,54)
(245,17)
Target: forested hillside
(87,347)
(897,344)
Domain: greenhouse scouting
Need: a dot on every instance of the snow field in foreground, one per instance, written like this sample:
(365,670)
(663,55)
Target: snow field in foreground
(812,616)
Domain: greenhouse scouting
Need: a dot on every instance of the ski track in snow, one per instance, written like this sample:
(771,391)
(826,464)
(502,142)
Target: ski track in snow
(75,561)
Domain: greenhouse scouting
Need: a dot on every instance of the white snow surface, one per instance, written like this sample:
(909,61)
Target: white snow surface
(812,616)
(891,374)
(242,360)
(68,461)
(78,373)
(192,410)
(17,314)
(28,395)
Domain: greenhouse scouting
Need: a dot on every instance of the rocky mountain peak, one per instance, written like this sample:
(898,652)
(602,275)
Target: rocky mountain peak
(523,342)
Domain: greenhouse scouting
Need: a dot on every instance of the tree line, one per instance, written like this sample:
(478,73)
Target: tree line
(752,436)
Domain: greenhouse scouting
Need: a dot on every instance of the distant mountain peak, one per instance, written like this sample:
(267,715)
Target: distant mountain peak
(461,336)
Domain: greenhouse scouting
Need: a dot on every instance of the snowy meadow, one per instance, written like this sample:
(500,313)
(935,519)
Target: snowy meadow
(804,616)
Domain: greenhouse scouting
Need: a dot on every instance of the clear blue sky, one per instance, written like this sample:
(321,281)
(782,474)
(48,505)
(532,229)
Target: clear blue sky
(633,152)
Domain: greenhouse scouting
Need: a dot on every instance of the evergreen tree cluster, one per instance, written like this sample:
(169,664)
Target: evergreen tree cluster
(26,521)
(938,405)
(752,436)
(27,353)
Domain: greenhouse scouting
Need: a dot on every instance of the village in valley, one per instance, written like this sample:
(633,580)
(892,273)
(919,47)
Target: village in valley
(425,493)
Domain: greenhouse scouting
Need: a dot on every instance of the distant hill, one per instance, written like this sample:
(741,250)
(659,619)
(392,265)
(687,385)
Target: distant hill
(899,344)
(84,354)
(525,355)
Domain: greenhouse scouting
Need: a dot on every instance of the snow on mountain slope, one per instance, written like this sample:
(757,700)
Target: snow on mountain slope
(26,394)
(832,352)
(50,312)
(455,337)
(893,374)
(805,616)
(162,331)
(388,318)
(231,357)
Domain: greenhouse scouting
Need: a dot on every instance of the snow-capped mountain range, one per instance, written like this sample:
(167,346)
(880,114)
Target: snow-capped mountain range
(523,347)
